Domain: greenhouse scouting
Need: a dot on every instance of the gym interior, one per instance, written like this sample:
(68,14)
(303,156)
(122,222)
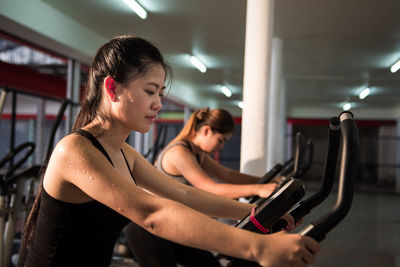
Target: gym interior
(286,67)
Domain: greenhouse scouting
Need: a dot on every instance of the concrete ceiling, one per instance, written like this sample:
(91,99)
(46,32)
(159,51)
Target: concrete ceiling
(331,49)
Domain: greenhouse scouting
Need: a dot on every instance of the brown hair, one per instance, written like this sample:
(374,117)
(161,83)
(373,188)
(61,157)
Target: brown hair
(219,120)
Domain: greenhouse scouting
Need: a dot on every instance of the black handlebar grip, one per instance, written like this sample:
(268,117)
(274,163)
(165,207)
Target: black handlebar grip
(348,167)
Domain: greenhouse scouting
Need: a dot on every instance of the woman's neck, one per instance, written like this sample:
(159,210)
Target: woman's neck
(196,143)
(111,137)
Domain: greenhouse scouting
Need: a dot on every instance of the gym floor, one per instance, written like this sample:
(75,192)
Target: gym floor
(368,236)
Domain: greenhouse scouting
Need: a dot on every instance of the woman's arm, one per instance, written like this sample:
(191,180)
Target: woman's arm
(81,165)
(184,162)
(214,169)
(78,163)
(162,185)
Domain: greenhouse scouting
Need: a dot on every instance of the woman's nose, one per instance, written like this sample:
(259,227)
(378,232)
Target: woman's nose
(157,104)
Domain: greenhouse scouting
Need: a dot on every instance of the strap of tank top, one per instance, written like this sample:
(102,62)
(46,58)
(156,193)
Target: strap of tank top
(129,168)
(187,144)
(160,157)
(95,143)
(191,150)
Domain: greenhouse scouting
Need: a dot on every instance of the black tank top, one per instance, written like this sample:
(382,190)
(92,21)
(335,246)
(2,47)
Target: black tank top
(75,234)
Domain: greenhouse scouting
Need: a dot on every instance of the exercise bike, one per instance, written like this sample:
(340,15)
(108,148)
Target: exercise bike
(317,229)
(295,167)
(10,199)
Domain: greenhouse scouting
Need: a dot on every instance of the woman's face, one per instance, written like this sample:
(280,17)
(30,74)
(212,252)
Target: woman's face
(137,104)
(213,141)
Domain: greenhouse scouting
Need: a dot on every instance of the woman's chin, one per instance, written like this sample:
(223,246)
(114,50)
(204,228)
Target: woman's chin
(143,130)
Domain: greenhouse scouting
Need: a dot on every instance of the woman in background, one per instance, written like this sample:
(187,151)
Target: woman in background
(188,157)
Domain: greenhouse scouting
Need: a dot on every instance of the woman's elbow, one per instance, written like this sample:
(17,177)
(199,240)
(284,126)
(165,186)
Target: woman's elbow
(154,219)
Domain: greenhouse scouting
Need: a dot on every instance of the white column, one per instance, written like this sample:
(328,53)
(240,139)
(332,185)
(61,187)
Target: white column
(31,138)
(139,142)
(256,83)
(274,130)
(148,143)
(40,128)
(73,92)
(289,142)
(282,122)
(186,114)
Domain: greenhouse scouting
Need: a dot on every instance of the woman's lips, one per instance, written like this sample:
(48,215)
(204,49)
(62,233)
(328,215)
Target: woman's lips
(151,118)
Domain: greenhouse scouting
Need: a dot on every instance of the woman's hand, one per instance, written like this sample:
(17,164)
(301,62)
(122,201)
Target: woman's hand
(264,190)
(291,224)
(284,249)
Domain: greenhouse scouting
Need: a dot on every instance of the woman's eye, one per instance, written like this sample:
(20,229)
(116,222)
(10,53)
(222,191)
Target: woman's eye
(161,96)
(150,92)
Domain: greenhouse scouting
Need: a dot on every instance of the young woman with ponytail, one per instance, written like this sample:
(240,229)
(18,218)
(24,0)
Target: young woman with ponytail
(188,157)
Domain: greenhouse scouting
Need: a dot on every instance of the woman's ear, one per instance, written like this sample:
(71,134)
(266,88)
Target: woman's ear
(109,84)
(206,130)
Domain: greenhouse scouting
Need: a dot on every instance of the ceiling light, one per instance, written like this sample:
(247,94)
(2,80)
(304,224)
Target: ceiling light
(395,67)
(226,91)
(364,93)
(198,64)
(138,9)
(241,104)
(347,106)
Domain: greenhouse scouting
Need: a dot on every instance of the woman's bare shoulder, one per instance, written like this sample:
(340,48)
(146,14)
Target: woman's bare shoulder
(66,160)
(179,147)
(72,143)
(181,154)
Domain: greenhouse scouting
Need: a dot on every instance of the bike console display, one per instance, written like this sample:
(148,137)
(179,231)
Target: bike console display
(270,209)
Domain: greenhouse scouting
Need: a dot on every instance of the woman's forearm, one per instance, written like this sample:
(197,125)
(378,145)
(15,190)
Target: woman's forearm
(236,177)
(214,205)
(180,224)
(199,199)
(233,191)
